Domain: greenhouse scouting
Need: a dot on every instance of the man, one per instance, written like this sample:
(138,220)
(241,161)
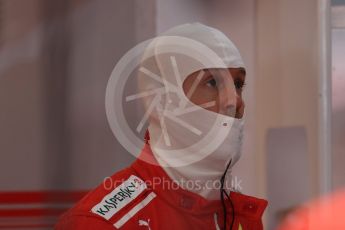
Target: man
(194,137)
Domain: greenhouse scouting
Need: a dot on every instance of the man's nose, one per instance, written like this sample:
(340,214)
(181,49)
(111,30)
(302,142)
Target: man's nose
(231,103)
(228,101)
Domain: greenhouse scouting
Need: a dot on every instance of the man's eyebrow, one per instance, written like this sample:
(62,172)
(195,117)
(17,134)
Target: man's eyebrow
(206,76)
(243,71)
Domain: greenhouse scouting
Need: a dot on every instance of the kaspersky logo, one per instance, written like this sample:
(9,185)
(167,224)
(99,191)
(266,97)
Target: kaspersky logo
(119,197)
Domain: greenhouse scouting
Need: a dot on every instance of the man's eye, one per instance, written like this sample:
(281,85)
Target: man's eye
(239,84)
(212,83)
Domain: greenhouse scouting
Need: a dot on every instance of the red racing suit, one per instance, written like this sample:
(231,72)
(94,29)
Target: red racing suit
(142,197)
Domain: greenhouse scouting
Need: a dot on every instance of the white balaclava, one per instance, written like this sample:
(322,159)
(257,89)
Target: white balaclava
(192,144)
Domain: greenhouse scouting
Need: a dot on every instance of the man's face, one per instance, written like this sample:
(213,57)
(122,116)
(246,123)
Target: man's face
(222,86)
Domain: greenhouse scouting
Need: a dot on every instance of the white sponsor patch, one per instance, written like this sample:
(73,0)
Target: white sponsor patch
(119,197)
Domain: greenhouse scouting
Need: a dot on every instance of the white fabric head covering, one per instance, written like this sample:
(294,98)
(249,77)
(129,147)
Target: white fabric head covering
(210,49)
(214,39)
(170,59)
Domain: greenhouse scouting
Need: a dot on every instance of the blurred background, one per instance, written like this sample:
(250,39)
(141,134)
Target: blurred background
(56,58)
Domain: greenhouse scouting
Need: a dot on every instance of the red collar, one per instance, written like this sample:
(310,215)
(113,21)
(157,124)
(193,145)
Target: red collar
(157,180)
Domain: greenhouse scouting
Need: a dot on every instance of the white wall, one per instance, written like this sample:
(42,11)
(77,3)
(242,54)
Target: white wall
(53,129)
(21,97)
(289,59)
(338,103)
(103,31)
